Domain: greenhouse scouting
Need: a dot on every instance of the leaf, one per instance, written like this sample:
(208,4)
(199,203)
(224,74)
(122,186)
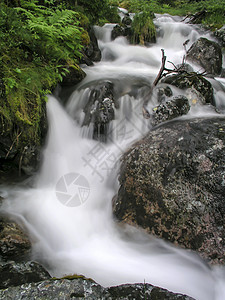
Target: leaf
(18,71)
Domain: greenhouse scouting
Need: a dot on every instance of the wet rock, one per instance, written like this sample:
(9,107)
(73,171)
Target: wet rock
(170,109)
(73,76)
(117,31)
(143,291)
(126,21)
(30,160)
(192,80)
(163,93)
(99,110)
(14,243)
(172,184)
(91,52)
(185,68)
(207,54)
(81,288)
(220,35)
(16,160)
(14,274)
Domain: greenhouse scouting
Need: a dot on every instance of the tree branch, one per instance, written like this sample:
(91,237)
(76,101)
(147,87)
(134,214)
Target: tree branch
(145,112)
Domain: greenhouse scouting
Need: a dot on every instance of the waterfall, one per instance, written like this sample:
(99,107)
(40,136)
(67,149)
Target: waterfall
(67,209)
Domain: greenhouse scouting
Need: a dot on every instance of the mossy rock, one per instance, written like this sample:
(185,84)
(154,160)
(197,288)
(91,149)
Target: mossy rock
(207,54)
(186,80)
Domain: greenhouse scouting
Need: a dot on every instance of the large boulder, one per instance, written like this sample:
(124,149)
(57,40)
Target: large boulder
(14,274)
(14,243)
(172,184)
(207,54)
(78,287)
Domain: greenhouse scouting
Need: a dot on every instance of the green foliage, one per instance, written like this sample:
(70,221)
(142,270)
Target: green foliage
(143,28)
(98,11)
(214,16)
(37,43)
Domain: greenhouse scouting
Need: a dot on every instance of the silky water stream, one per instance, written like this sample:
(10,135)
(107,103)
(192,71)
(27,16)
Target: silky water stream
(67,209)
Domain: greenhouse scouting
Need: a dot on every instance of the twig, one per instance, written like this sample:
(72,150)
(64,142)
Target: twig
(15,140)
(21,159)
(145,112)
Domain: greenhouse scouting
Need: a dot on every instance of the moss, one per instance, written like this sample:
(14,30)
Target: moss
(85,38)
(73,277)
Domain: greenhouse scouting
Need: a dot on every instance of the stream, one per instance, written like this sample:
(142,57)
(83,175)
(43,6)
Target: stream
(67,206)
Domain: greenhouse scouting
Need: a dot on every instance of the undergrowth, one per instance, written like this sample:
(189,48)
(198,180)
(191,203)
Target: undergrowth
(214,9)
(37,43)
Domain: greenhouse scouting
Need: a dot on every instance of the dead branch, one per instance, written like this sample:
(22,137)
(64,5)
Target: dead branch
(15,140)
(146,114)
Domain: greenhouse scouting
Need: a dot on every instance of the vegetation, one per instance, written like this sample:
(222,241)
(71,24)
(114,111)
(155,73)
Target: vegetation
(214,9)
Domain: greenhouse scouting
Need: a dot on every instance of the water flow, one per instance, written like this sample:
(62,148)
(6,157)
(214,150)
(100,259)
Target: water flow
(67,211)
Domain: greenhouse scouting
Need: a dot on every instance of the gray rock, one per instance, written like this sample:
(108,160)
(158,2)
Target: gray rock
(220,35)
(170,109)
(117,31)
(207,54)
(14,274)
(172,184)
(127,21)
(100,109)
(82,288)
(163,93)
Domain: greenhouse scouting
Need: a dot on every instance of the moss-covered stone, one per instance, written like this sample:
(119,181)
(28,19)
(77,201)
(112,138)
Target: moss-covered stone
(185,80)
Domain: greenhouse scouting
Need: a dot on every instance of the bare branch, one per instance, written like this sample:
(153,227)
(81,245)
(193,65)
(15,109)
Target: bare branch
(146,114)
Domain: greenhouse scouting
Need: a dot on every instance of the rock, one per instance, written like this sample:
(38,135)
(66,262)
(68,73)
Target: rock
(192,80)
(16,160)
(74,75)
(220,35)
(117,31)
(99,109)
(30,159)
(143,291)
(207,54)
(185,68)
(14,274)
(163,93)
(91,52)
(172,184)
(170,109)
(14,243)
(126,21)
(82,288)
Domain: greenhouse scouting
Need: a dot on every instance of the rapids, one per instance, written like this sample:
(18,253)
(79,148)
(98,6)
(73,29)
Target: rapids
(66,207)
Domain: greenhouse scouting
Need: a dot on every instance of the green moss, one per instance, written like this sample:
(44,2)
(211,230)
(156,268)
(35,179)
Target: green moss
(37,44)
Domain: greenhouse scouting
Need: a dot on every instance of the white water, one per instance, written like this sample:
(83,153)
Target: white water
(85,239)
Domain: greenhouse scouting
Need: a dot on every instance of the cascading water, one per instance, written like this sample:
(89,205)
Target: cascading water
(72,229)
